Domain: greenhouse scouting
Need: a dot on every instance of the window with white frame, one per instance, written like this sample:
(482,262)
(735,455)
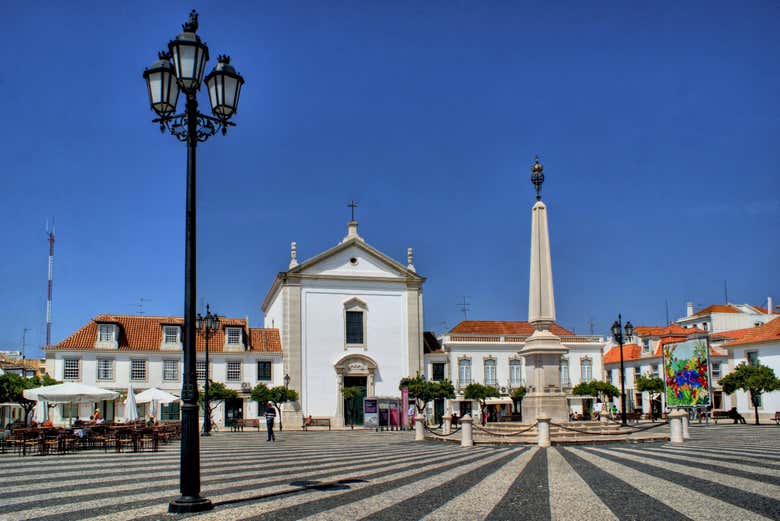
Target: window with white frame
(437,371)
(138,370)
(490,372)
(71,369)
(586,370)
(264,370)
(565,372)
(105,332)
(171,334)
(105,369)
(464,372)
(354,327)
(752,357)
(515,373)
(200,370)
(655,371)
(233,335)
(170,370)
(646,345)
(234,371)
(637,372)
(715,370)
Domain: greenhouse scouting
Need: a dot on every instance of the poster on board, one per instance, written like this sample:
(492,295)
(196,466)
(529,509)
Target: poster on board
(370,412)
(686,374)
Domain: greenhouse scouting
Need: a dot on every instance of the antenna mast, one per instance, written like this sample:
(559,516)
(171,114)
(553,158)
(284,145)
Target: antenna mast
(50,233)
(465,307)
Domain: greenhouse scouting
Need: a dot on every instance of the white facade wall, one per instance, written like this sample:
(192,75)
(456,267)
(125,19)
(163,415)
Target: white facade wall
(154,375)
(323,338)
(768,355)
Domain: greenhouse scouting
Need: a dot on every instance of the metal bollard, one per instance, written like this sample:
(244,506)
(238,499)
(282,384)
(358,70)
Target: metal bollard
(675,426)
(419,429)
(685,420)
(543,428)
(446,424)
(467,438)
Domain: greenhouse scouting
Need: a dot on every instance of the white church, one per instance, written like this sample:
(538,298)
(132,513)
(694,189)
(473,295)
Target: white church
(350,316)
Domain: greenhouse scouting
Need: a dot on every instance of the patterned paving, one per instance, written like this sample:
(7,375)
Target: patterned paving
(724,472)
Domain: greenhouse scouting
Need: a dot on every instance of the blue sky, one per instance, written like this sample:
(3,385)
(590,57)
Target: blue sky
(658,126)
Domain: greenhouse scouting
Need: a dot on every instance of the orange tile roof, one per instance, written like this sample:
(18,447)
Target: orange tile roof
(717,308)
(145,333)
(769,332)
(630,352)
(670,330)
(731,335)
(498,327)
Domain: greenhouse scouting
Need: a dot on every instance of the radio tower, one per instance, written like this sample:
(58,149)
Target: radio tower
(50,233)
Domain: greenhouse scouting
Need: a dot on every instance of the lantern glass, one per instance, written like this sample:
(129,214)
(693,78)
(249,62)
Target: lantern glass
(190,56)
(629,330)
(615,330)
(162,87)
(198,321)
(224,85)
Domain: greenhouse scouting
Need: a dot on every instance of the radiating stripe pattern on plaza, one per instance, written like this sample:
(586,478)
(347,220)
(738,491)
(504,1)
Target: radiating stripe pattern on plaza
(723,472)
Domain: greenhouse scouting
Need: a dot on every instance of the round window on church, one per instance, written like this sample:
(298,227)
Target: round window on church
(353,261)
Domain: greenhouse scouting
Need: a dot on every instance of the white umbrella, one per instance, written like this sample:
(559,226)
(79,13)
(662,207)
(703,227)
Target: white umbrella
(155,396)
(131,411)
(69,393)
(40,411)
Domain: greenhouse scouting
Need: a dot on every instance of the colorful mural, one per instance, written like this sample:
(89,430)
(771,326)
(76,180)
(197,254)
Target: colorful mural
(686,373)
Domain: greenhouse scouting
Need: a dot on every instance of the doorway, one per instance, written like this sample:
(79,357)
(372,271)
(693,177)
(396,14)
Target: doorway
(234,410)
(353,409)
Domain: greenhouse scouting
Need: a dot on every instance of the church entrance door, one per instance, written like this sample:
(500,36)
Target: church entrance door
(353,409)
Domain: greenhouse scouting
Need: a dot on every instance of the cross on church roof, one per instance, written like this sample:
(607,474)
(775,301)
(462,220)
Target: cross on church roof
(352,205)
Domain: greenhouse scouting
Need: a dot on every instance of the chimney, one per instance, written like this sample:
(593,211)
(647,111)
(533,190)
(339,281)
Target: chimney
(689,305)
(769,305)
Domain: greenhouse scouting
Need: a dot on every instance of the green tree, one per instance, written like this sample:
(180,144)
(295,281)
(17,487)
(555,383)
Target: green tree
(423,391)
(350,394)
(604,391)
(518,393)
(753,379)
(276,395)
(217,393)
(480,393)
(651,384)
(12,387)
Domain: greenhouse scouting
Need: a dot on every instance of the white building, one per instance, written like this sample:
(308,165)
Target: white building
(350,316)
(757,345)
(116,351)
(726,317)
(488,352)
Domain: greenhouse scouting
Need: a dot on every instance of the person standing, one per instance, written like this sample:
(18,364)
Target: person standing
(270,416)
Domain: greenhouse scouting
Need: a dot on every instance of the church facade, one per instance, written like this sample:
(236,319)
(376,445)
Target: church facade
(348,317)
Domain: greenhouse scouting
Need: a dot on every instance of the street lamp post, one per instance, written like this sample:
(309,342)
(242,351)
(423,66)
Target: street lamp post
(207,324)
(619,336)
(164,81)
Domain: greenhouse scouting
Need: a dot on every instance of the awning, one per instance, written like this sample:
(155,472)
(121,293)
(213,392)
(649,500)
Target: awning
(499,401)
(69,393)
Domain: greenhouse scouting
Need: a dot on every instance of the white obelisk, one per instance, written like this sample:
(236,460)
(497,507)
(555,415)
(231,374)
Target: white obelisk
(542,351)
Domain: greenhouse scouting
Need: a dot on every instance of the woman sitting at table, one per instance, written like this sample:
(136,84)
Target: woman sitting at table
(150,421)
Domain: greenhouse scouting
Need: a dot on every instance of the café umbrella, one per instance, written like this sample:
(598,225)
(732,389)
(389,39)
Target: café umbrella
(70,392)
(155,396)
(131,410)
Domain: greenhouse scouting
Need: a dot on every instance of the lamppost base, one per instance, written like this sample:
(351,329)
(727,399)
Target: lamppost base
(189,504)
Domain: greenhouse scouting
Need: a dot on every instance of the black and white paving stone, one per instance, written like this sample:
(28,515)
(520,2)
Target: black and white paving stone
(724,472)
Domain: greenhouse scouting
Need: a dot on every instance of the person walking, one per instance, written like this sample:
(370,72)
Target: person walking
(270,416)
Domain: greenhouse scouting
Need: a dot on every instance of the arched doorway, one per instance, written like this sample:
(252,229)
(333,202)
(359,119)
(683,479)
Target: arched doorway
(354,370)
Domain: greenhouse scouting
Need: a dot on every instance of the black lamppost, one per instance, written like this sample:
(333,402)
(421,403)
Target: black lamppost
(164,81)
(207,324)
(620,337)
